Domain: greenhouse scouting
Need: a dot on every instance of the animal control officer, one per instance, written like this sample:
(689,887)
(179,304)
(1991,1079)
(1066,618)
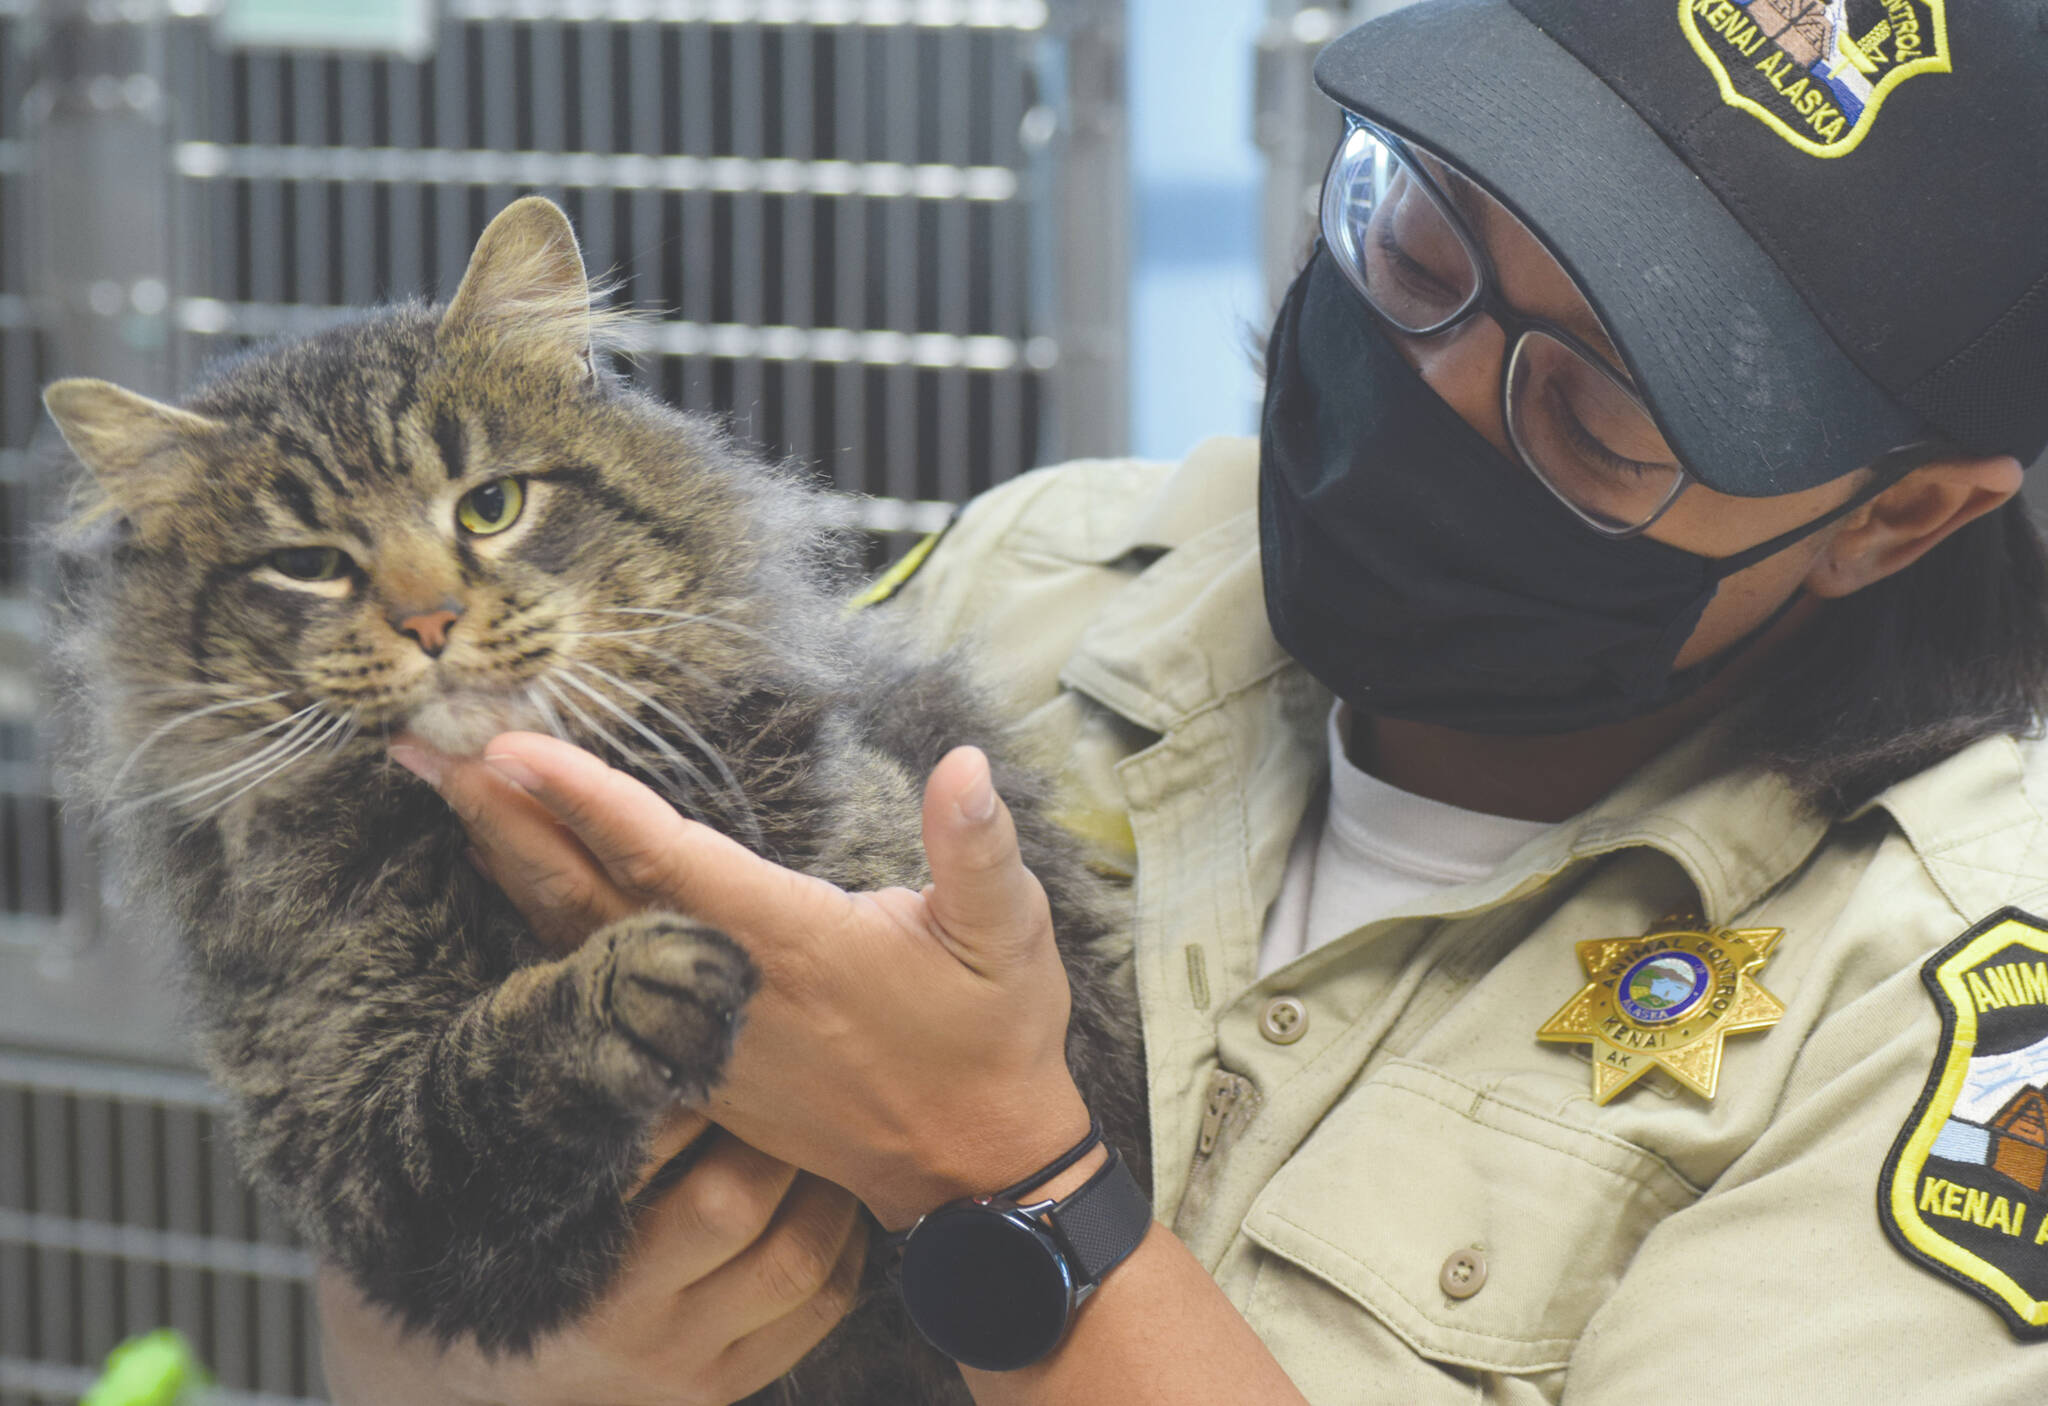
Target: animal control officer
(1617,995)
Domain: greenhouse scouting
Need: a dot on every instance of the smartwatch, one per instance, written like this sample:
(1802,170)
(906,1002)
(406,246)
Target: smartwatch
(993,1283)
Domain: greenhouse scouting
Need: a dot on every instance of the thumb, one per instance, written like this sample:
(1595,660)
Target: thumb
(989,908)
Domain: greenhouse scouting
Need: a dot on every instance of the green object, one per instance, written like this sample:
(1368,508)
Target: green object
(156,1369)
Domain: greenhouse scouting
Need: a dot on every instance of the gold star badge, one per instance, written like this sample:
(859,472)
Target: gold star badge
(1666,1001)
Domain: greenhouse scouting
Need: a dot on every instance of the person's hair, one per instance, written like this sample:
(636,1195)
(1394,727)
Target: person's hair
(1912,669)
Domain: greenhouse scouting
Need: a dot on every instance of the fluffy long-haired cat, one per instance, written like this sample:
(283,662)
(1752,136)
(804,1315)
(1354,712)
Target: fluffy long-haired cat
(459,521)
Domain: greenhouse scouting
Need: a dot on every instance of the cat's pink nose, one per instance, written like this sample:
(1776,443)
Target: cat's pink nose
(430,629)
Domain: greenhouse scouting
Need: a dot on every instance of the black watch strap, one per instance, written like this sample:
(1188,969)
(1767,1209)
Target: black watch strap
(1103,1221)
(993,1283)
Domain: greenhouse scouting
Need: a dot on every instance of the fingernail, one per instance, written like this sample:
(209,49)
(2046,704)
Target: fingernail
(978,805)
(421,763)
(513,770)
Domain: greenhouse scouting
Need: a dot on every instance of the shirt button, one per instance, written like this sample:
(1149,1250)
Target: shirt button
(1463,1274)
(1284,1020)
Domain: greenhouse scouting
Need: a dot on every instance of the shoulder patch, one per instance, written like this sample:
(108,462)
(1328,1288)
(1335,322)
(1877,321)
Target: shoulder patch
(905,567)
(1965,1189)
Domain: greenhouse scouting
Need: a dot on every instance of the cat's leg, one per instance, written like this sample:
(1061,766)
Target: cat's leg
(660,998)
(666,994)
(666,997)
(485,1186)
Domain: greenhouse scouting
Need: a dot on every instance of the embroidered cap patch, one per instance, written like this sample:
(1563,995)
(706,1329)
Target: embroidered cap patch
(1816,71)
(1965,1190)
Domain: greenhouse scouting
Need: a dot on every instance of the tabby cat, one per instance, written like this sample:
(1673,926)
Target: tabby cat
(458,521)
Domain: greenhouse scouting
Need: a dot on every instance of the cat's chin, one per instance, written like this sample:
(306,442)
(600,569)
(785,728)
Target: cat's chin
(461,723)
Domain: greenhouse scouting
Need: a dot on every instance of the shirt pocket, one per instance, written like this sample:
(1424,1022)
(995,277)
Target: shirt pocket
(1414,1167)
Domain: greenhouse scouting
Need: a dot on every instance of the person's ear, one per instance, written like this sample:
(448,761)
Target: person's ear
(1907,520)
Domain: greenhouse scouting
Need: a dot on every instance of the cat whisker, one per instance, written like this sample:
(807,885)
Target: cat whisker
(694,675)
(287,720)
(739,807)
(676,620)
(348,734)
(273,727)
(686,774)
(179,721)
(184,687)
(547,713)
(291,724)
(625,634)
(630,756)
(227,775)
(679,795)
(323,733)
(674,661)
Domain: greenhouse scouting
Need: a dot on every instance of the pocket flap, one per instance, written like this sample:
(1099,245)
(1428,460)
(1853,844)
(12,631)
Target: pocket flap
(1414,1167)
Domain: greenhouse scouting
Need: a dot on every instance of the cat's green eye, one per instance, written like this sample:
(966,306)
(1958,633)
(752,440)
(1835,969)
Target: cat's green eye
(491,508)
(311,563)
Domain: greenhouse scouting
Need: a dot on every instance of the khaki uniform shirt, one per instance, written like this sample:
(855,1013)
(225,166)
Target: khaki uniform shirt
(1658,1249)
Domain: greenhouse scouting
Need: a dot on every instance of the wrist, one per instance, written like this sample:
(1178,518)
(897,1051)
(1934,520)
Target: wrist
(998,1153)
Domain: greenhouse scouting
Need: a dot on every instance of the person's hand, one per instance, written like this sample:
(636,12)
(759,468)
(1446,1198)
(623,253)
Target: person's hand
(910,1046)
(735,1272)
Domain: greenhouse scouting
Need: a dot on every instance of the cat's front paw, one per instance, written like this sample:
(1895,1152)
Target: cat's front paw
(666,993)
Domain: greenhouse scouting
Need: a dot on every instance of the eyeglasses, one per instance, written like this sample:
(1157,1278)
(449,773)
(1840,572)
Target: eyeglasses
(1575,421)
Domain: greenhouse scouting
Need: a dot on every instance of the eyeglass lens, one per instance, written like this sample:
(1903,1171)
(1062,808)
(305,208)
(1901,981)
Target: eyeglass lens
(1585,436)
(1384,223)
(1575,424)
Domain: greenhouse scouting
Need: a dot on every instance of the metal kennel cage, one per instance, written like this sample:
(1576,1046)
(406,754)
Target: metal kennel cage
(885,237)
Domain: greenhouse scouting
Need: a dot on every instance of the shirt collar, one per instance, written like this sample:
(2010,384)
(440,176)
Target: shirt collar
(1190,629)
(1736,832)
(1974,822)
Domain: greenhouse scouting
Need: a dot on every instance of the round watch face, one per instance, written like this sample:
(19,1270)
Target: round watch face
(986,1287)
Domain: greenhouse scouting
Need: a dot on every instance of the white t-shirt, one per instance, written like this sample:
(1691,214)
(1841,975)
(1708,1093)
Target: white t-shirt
(1367,848)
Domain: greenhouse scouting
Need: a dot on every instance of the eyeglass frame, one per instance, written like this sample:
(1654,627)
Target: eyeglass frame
(1487,296)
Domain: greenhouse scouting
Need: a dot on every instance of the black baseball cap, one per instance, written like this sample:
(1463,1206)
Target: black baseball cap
(1816,229)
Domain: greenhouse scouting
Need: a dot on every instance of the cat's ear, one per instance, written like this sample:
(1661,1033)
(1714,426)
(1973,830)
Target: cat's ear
(133,445)
(527,277)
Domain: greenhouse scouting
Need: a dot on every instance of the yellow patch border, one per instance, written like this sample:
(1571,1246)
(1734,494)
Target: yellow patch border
(892,580)
(1935,62)
(1909,1160)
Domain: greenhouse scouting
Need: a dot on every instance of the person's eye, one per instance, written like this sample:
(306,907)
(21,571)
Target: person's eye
(492,508)
(1587,444)
(1412,269)
(310,563)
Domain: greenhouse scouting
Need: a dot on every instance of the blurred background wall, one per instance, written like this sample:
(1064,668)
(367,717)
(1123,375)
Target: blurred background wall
(1228,143)
(1195,282)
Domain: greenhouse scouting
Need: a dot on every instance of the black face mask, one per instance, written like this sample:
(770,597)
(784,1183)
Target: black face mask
(1421,574)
